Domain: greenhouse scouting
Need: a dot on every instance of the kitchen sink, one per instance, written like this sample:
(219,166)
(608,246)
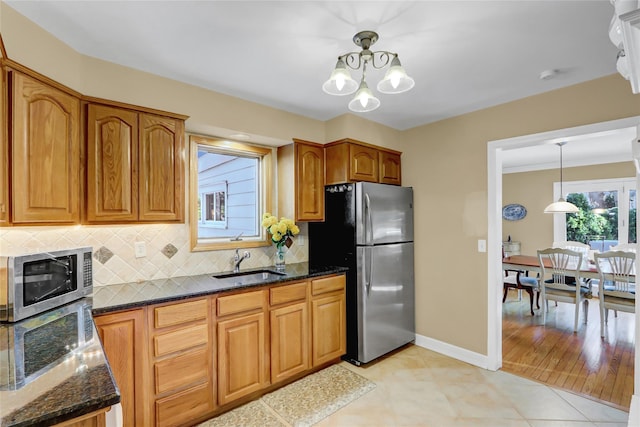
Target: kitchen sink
(249,277)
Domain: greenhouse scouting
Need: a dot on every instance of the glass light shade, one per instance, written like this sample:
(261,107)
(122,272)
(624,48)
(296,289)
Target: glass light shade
(615,31)
(622,65)
(364,100)
(561,206)
(396,79)
(340,82)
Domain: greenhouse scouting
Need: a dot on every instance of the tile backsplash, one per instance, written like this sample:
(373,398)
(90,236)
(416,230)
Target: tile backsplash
(167,250)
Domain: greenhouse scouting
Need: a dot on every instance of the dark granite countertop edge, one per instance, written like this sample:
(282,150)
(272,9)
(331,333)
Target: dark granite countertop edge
(69,413)
(317,271)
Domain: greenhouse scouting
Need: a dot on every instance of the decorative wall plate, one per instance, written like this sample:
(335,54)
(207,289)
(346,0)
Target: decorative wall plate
(514,212)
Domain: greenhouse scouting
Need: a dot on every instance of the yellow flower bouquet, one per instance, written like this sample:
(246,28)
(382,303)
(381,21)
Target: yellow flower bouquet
(281,231)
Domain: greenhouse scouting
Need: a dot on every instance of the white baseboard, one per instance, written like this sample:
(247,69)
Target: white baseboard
(634,411)
(473,358)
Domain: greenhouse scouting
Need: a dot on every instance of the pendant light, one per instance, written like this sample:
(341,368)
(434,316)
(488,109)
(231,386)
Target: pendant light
(561,206)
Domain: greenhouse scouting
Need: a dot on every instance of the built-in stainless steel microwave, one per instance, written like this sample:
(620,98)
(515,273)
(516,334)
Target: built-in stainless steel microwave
(32,284)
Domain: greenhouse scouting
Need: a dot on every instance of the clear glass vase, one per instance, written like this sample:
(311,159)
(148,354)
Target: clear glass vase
(281,250)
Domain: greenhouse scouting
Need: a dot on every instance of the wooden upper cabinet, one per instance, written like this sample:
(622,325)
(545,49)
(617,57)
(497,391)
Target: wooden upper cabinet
(45,153)
(348,160)
(112,157)
(301,180)
(364,163)
(390,168)
(135,166)
(161,177)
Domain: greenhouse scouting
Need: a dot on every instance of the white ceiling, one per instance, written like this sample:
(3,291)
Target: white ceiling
(463,55)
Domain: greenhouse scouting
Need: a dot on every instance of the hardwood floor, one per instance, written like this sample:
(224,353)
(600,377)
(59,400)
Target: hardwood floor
(581,362)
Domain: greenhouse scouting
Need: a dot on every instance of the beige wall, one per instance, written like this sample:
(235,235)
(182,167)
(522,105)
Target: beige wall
(446,163)
(534,190)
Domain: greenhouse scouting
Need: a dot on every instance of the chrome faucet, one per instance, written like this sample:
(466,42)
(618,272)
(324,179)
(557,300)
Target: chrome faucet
(238,259)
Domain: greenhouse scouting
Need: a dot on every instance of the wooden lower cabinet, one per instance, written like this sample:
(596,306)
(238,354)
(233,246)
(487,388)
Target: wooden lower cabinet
(93,419)
(242,349)
(328,314)
(123,339)
(289,325)
(181,361)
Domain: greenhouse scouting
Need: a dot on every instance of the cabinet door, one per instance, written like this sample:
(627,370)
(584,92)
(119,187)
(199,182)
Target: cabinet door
(242,358)
(45,153)
(328,328)
(289,341)
(112,158)
(161,172)
(93,419)
(122,336)
(309,175)
(390,172)
(364,163)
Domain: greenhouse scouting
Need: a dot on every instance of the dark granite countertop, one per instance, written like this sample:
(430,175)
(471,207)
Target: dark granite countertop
(53,368)
(126,296)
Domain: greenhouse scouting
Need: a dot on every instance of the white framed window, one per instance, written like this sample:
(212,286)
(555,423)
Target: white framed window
(607,214)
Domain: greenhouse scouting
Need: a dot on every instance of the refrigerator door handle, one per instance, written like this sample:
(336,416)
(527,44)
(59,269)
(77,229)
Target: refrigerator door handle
(368,226)
(368,266)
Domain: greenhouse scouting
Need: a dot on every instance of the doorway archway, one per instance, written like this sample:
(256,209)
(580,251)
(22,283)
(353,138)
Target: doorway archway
(494,236)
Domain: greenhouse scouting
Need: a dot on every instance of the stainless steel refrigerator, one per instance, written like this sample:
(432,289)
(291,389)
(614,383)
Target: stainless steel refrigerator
(369,229)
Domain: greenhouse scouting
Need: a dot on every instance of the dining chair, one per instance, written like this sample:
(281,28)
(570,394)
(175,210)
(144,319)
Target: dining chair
(510,281)
(583,248)
(521,281)
(562,267)
(626,247)
(617,283)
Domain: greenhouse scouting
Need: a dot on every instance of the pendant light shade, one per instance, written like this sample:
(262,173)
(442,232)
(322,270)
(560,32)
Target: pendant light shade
(396,79)
(561,206)
(364,100)
(340,82)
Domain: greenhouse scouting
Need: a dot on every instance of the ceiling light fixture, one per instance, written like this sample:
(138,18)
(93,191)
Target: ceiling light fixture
(561,206)
(341,83)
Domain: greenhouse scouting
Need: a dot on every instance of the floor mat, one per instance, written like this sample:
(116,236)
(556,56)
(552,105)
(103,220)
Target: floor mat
(299,404)
(313,398)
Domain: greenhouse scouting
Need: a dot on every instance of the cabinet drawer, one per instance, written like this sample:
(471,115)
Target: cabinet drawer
(181,339)
(175,314)
(328,284)
(181,408)
(181,371)
(288,293)
(239,303)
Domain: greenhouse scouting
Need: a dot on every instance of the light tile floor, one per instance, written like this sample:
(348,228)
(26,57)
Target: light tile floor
(418,387)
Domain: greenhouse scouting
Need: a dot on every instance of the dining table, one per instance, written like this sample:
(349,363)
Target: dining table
(530,263)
